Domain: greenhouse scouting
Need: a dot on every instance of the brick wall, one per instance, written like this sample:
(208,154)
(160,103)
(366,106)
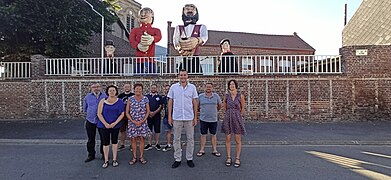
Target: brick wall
(363,92)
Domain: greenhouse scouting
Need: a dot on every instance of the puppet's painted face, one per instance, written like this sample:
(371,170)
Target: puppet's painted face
(189,14)
(225,46)
(110,50)
(190,10)
(146,15)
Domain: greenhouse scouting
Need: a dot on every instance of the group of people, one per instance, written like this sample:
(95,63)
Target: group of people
(136,116)
(187,39)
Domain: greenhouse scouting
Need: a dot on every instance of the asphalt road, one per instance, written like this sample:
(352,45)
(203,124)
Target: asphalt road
(65,161)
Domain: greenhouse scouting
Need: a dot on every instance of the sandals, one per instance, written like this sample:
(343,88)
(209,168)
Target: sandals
(143,161)
(105,165)
(133,161)
(115,163)
(217,154)
(228,162)
(199,154)
(237,163)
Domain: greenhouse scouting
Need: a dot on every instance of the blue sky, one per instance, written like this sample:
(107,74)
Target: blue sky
(318,22)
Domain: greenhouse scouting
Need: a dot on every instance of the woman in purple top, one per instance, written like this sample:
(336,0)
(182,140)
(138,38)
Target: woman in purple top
(110,113)
(137,111)
(233,121)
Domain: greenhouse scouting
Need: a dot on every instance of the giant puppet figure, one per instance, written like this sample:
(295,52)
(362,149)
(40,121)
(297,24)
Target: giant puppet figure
(111,65)
(143,39)
(228,63)
(189,37)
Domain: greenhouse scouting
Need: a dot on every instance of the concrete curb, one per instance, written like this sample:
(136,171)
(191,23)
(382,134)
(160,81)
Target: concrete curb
(246,143)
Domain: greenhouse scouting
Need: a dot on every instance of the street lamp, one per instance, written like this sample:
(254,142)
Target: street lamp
(103,33)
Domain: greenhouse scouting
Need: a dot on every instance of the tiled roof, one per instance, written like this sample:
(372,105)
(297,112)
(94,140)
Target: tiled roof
(259,40)
(122,47)
(370,25)
(252,40)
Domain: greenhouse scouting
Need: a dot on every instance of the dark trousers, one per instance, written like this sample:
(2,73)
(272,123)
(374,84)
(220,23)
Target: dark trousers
(191,65)
(91,134)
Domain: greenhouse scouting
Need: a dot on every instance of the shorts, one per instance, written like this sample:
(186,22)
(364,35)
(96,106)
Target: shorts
(124,125)
(108,134)
(204,126)
(166,125)
(154,123)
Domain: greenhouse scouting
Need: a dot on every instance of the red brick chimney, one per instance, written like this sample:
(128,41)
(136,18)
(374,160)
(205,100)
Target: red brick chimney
(169,37)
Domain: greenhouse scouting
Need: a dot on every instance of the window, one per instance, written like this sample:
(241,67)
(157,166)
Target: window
(128,17)
(129,22)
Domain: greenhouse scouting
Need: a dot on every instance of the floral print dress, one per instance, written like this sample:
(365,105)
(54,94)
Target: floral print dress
(138,110)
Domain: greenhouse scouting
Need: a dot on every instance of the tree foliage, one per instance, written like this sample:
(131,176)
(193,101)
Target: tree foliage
(54,28)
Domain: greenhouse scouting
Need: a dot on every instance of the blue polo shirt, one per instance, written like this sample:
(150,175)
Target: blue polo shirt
(155,101)
(208,107)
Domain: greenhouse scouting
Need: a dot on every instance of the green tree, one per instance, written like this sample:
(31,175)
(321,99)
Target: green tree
(54,28)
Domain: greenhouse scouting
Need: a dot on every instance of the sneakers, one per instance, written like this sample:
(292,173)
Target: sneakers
(167,148)
(148,147)
(190,163)
(122,147)
(176,164)
(157,146)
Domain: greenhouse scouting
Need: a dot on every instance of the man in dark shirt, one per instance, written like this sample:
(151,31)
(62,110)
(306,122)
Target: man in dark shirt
(155,106)
(124,96)
(167,127)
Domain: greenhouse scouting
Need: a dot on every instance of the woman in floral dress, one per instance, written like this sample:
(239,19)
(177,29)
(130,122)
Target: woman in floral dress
(233,121)
(137,111)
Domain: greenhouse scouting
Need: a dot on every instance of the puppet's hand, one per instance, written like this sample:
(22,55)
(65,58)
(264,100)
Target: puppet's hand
(142,47)
(186,53)
(189,44)
(146,39)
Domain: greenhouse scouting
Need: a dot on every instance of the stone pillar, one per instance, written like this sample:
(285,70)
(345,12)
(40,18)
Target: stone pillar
(371,61)
(37,67)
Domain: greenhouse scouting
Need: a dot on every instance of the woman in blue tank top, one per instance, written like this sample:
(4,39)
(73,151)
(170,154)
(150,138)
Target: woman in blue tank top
(110,114)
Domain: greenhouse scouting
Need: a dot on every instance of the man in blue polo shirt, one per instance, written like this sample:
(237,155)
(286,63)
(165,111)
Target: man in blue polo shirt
(154,119)
(90,106)
(209,105)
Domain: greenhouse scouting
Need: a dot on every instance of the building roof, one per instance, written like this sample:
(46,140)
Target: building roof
(252,40)
(259,40)
(122,47)
(370,25)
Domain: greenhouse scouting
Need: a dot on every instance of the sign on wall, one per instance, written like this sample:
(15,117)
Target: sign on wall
(361,52)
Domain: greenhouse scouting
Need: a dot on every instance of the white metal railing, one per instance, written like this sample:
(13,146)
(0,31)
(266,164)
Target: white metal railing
(203,65)
(15,70)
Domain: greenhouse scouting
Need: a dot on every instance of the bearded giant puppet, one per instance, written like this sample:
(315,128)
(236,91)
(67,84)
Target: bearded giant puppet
(143,39)
(189,37)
